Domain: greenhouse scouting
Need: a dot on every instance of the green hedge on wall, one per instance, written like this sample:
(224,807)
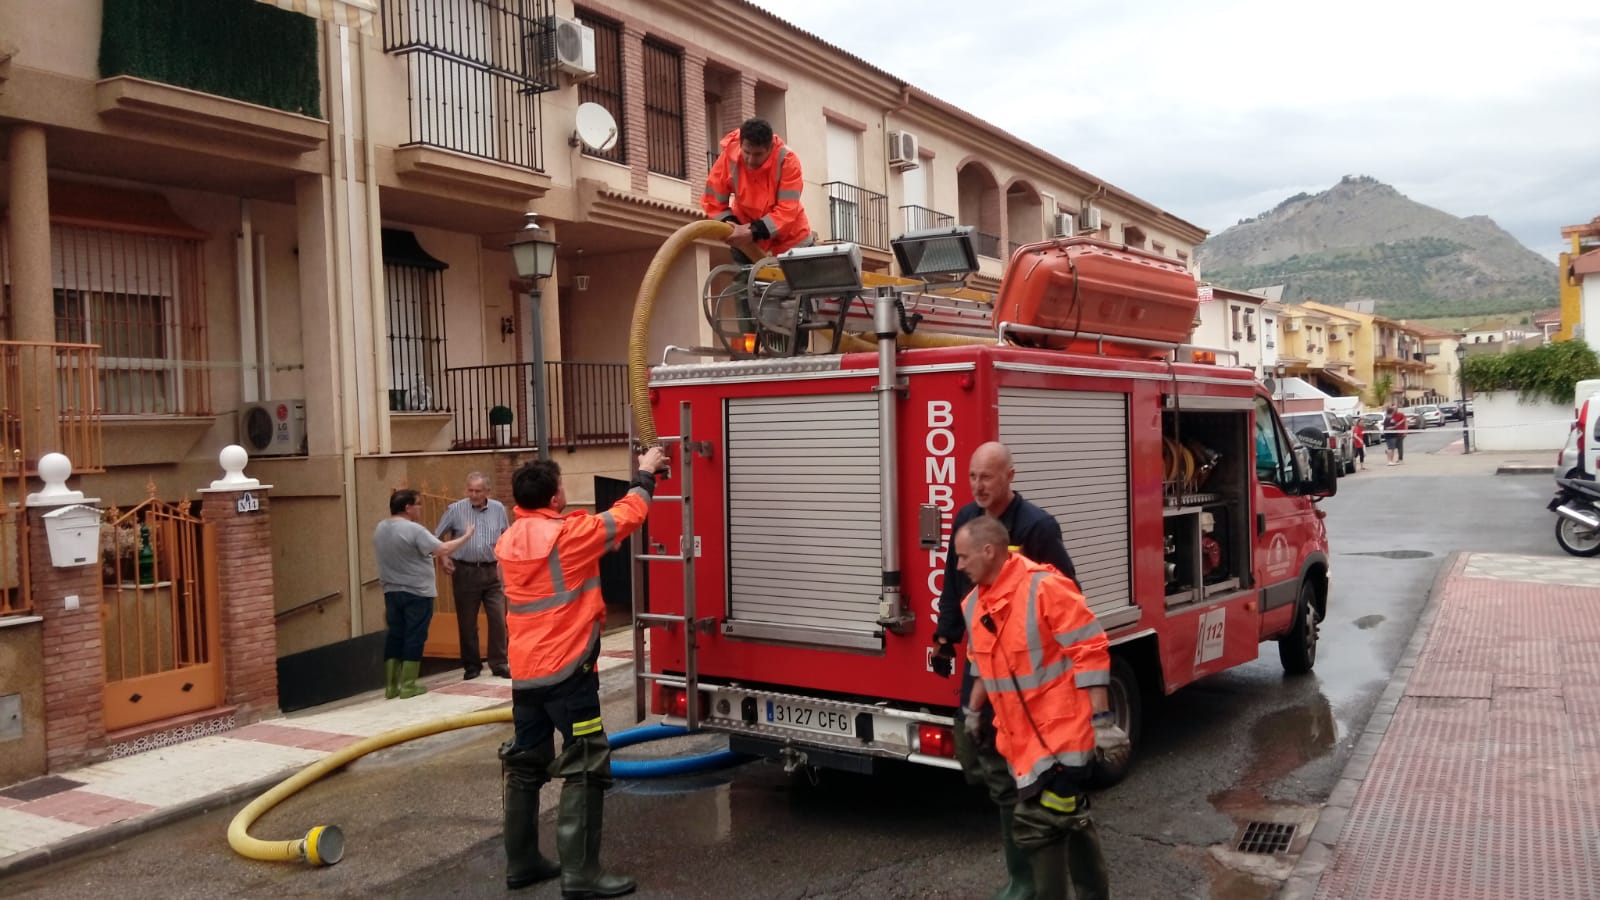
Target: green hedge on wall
(1549,372)
(241,49)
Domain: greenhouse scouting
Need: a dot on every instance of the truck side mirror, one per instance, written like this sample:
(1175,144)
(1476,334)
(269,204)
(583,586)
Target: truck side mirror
(1324,480)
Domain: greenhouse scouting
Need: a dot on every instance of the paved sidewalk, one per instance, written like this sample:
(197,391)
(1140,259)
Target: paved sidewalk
(1479,773)
(65,813)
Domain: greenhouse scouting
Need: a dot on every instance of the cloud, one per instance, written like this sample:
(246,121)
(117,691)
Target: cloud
(1218,110)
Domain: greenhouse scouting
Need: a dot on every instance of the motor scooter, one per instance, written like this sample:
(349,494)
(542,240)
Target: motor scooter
(1577,508)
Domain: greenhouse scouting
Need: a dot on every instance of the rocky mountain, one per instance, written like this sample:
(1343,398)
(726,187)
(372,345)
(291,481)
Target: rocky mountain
(1362,239)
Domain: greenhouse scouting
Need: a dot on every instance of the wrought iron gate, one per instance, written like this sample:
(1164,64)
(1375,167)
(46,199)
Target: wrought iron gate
(160,613)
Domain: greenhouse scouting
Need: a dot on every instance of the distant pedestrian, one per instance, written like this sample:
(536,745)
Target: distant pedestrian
(475,575)
(1359,433)
(406,550)
(1394,423)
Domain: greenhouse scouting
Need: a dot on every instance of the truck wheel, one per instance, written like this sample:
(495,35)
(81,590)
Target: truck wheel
(1297,649)
(1127,707)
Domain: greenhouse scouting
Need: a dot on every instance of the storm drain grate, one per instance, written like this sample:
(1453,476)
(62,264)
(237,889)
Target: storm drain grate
(39,788)
(1265,837)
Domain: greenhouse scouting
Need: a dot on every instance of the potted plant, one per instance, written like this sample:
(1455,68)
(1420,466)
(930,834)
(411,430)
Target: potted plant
(500,418)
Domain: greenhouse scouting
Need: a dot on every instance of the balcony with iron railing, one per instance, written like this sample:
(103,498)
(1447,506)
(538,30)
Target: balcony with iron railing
(857,215)
(917,218)
(987,244)
(585,403)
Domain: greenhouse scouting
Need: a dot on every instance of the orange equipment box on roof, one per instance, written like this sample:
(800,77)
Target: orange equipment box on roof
(1092,287)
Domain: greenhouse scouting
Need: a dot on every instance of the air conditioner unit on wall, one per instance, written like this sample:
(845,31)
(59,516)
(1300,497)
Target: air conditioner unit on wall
(573,43)
(903,150)
(1065,226)
(273,428)
(1291,325)
(1089,219)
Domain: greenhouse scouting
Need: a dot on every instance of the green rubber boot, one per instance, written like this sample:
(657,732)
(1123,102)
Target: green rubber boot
(1049,864)
(578,841)
(391,679)
(408,679)
(1020,887)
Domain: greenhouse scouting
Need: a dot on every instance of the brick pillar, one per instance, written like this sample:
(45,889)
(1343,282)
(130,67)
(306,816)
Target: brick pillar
(506,465)
(694,124)
(746,107)
(246,600)
(633,103)
(73,647)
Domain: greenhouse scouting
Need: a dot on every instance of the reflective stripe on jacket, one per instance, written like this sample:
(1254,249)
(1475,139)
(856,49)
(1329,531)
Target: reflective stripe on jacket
(767,199)
(550,564)
(1045,650)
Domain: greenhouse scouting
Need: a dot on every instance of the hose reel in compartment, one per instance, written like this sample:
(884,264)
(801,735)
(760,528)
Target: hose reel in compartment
(1205,503)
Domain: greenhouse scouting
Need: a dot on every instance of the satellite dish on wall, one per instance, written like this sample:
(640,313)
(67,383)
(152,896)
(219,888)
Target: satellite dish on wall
(596,129)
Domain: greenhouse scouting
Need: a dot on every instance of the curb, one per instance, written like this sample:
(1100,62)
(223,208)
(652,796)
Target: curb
(107,835)
(1524,469)
(1306,877)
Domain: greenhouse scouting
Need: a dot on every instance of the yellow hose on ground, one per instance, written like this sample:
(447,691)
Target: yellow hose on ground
(853,342)
(324,844)
(639,335)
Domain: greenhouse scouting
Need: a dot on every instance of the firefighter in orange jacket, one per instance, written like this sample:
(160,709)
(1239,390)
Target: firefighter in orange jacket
(1043,664)
(755,185)
(550,563)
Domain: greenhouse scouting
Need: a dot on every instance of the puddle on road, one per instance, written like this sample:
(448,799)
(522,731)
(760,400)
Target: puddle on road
(1368,622)
(1394,554)
(1280,742)
(1230,884)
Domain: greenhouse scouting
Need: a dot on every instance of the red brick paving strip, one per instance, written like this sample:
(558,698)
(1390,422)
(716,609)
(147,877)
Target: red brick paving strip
(1487,783)
(82,807)
(304,738)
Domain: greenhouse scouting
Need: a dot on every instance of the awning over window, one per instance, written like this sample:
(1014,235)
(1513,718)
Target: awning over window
(400,248)
(1355,385)
(117,209)
(354,13)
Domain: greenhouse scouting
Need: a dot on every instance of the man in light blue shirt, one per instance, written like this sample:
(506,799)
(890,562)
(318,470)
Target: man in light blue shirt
(475,575)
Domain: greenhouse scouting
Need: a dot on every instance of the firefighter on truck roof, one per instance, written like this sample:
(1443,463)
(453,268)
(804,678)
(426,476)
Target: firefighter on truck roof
(1037,535)
(1043,666)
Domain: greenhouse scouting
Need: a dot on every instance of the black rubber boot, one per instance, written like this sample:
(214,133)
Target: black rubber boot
(578,842)
(1020,887)
(523,775)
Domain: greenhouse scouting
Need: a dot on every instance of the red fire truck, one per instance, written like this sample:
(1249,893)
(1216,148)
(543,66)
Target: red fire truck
(795,597)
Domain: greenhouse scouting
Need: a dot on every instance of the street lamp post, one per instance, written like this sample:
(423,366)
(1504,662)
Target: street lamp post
(1282,371)
(535,257)
(1461,373)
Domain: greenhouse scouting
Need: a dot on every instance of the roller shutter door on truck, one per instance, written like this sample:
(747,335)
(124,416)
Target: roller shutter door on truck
(804,548)
(1071,453)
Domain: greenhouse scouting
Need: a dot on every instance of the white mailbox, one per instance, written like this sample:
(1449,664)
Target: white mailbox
(74,533)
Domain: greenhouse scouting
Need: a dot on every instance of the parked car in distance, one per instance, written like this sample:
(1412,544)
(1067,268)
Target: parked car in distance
(1413,417)
(1322,429)
(1431,416)
(1452,411)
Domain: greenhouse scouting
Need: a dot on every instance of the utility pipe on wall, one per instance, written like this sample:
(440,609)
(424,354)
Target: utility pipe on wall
(345,346)
(249,379)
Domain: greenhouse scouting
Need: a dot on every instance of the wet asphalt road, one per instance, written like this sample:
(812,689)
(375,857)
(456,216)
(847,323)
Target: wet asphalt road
(422,820)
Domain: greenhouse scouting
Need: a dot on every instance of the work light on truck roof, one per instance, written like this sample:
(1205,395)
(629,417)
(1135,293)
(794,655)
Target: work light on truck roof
(829,269)
(933,252)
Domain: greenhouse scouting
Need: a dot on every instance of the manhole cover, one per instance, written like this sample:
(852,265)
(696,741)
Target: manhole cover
(1395,554)
(1266,838)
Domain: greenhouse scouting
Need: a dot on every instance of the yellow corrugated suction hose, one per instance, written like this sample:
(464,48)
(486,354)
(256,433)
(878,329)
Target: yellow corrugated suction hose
(853,342)
(639,334)
(324,844)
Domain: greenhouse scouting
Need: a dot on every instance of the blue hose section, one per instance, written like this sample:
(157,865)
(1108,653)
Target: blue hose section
(665,768)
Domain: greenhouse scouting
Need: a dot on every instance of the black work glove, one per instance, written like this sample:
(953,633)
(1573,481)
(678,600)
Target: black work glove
(944,659)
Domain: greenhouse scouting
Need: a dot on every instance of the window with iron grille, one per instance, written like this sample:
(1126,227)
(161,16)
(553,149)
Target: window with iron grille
(142,299)
(475,70)
(417,360)
(605,88)
(663,107)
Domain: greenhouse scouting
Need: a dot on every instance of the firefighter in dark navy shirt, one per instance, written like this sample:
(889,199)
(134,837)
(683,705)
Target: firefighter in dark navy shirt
(1036,535)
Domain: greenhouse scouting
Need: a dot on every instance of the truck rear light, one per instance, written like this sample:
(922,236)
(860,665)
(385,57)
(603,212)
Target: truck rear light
(937,740)
(675,702)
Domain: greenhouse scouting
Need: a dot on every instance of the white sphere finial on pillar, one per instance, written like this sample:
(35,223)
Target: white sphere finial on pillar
(54,469)
(233,459)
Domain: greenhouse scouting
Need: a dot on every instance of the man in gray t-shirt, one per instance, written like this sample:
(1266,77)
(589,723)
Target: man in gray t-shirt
(406,552)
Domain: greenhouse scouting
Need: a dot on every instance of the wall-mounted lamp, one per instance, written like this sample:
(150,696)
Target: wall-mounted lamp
(507,327)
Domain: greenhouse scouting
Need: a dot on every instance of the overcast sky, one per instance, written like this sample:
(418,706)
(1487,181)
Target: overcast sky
(1218,110)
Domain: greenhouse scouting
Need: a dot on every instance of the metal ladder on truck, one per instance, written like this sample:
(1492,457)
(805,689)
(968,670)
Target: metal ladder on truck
(643,618)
